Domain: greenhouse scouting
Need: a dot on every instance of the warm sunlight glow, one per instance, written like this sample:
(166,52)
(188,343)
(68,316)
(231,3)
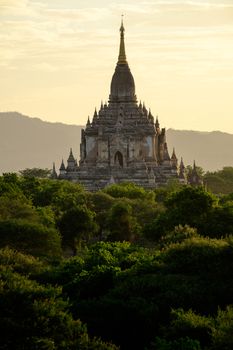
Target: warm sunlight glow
(58,57)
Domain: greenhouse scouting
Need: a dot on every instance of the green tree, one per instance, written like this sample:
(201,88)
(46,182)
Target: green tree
(34,316)
(219,221)
(226,198)
(77,224)
(140,286)
(145,211)
(46,216)
(32,238)
(163,192)
(179,234)
(190,203)
(189,324)
(17,208)
(220,181)
(100,203)
(121,224)
(31,187)
(189,206)
(223,330)
(178,344)
(21,263)
(36,172)
(128,190)
(63,194)
(10,185)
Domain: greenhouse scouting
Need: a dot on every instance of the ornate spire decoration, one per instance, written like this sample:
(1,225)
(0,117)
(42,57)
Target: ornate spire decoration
(181,174)
(174,154)
(122,85)
(174,159)
(166,156)
(157,122)
(194,171)
(150,117)
(122,55)
(182,164)
(54,173)
(95,116)
(62,167)
(144,109)
(194,178)
(70,162)
(71,157)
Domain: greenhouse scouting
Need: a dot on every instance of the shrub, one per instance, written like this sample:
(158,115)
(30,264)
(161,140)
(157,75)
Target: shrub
(30,238)
(22,263)
(179,234)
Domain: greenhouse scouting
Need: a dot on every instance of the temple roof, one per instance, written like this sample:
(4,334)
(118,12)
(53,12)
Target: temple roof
(122,85)
(62,167)
(173,157)
(71,157)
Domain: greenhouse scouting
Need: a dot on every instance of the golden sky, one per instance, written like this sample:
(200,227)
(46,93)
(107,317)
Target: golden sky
(57,58)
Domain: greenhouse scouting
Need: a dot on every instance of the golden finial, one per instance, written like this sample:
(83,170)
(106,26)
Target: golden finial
(122,55)
(122,24)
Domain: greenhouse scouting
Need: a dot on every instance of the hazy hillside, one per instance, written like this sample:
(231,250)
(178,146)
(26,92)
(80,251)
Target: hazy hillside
(31,142)
(211,150)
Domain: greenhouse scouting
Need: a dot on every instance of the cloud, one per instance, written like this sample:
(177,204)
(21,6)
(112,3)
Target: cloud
(13,3)
(67,35)
(201,4)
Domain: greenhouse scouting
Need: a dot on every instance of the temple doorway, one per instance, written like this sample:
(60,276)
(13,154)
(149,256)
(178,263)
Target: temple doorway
(118,159)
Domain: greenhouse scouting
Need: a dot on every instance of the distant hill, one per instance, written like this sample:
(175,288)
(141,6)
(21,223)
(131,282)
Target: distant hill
(211,150)
(30,142)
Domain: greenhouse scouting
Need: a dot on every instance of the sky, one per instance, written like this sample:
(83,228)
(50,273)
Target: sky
(57,58)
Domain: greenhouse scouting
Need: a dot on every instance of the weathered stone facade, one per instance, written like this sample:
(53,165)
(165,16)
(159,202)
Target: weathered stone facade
(122,142)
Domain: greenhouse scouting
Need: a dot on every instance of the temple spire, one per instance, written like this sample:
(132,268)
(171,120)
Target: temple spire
(54,173)
(157,122)
(122,55)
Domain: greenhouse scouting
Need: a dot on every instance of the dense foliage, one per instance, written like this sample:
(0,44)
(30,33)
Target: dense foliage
(220,181)
(139,269)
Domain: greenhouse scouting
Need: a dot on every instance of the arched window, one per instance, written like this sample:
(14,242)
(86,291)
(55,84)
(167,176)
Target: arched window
(118,159)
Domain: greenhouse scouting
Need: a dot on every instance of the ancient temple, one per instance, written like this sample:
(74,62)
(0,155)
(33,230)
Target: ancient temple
(122,142)
(193,178)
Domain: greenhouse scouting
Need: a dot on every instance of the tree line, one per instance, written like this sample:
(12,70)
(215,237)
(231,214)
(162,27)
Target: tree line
(119,268)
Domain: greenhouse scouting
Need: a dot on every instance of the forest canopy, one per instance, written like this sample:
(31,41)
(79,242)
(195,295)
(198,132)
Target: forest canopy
(121,268)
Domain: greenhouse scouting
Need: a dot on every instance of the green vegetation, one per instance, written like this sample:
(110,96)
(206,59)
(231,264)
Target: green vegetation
(35,172)
(139,269)
(220,181)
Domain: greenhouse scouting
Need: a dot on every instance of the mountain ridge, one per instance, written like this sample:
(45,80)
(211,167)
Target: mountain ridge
(27,142)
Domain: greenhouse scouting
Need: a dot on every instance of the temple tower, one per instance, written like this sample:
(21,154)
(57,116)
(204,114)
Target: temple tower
(122,142)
